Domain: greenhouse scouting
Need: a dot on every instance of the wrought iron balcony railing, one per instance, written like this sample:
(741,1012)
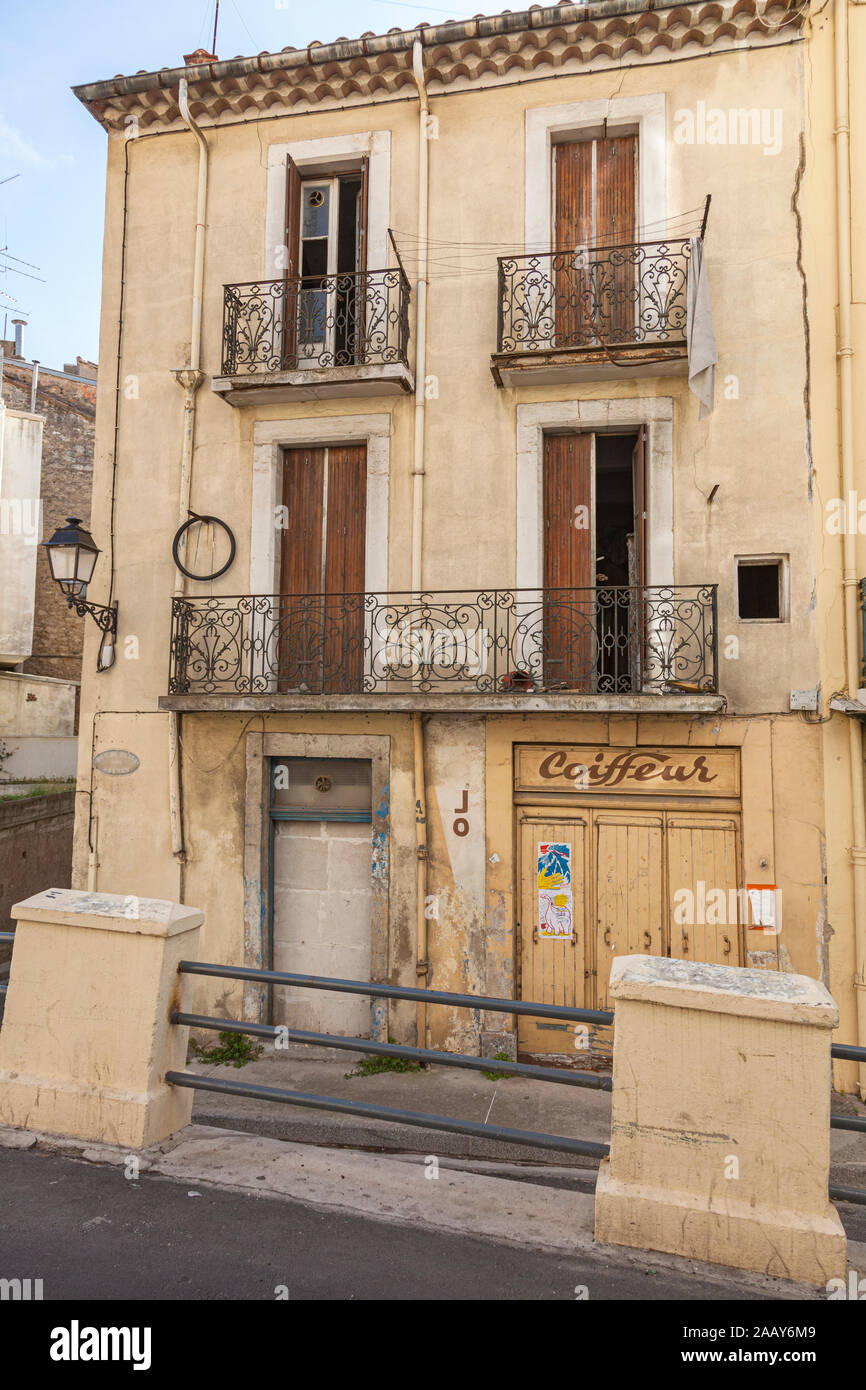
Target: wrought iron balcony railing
(594,296)
(348,319)
(616,640)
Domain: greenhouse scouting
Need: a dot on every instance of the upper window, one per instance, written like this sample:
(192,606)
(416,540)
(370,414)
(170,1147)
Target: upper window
(762,588)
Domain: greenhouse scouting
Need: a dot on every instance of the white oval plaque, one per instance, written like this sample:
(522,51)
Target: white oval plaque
(117,762)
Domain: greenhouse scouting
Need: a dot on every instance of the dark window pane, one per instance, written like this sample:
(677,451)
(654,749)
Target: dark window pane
(758,590)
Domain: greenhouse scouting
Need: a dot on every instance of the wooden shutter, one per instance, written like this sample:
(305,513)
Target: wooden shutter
(303,474)
(614,183)
(346,529)
(363,200)
(574,226)
(569,617)
(361,266)
(293,267)
(568,548)
(615,222)
(594,208)
(344,568)
(575,212)
(300,608)
(293,219)
(638,606)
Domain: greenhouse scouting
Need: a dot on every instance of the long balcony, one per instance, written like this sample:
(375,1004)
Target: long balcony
(588,313)
(616,647)
(335,335)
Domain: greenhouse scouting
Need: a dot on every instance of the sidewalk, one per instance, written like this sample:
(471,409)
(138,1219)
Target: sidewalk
(570,1111)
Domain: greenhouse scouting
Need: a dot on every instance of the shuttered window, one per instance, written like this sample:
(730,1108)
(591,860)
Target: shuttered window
(322,568)
(595,209)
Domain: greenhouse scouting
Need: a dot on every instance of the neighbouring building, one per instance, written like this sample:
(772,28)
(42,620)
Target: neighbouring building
(468,634)
(42,643)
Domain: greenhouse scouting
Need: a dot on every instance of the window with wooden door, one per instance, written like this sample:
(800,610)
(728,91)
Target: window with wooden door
(595,215)
(594,562)
(326,236)
(321,629)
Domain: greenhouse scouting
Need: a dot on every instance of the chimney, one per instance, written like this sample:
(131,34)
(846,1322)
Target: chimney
(19,327)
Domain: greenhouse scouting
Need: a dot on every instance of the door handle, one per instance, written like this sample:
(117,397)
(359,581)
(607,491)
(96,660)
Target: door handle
(647,940)
(607,936)
(727,941)
(686,942)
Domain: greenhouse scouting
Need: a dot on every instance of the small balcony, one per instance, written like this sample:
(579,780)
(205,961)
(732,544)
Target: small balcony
(587,314)
(315,338)
(528,649)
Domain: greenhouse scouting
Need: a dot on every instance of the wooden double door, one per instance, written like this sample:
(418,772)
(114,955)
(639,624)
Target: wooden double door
(598,883)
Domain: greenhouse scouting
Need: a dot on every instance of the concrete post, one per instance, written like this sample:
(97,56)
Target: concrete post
(720,1136)
(86,1038)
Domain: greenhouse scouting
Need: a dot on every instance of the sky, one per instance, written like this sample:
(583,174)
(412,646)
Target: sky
(52,151)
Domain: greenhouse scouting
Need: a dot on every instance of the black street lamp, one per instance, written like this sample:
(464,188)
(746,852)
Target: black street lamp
(72,555)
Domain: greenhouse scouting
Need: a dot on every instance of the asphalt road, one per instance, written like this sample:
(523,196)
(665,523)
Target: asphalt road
(90,1233)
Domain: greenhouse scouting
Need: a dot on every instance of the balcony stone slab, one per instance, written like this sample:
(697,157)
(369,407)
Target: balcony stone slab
(450,702)
(561,367)
(315,384)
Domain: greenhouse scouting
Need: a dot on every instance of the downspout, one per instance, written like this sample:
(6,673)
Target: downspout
(422,966)
(845,355)
(190,378)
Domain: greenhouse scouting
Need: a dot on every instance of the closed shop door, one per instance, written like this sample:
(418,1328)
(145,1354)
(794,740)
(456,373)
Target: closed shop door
(629,884)
(553,925)
(597,884)
(703,878)
(322,890)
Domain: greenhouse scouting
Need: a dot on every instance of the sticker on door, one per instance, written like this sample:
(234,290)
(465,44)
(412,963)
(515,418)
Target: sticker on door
(555,905)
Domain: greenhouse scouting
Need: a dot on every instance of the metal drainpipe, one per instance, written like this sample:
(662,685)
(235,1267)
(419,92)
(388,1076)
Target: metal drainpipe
(190,378)
(845,354)
(422,966)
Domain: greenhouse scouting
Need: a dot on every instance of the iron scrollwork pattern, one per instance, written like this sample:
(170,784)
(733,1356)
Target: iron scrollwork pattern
(347,319)
(613,640)
(594,295)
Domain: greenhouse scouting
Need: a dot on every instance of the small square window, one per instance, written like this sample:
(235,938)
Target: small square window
(760,589)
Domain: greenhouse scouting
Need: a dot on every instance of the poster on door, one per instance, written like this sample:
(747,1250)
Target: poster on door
(555,906)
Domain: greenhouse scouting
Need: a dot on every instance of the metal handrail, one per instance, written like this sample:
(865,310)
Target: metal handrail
(383,1112)
(193,1081)
(382,991)
(426,1055)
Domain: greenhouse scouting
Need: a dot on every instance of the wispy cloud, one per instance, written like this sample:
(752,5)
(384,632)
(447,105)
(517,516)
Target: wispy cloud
(15,149)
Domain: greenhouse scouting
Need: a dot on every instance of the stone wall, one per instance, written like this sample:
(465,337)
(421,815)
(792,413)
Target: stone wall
(69,408)
(35,850)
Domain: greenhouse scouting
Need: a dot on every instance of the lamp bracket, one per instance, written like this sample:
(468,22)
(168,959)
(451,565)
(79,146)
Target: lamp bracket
(105,618)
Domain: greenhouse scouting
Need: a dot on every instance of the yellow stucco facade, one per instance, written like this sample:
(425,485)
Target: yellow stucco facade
(749,481)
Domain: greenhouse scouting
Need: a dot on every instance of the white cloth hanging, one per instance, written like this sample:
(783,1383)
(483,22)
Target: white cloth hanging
(700,338)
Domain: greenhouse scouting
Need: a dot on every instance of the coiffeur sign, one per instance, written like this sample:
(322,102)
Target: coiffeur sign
(665,771)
